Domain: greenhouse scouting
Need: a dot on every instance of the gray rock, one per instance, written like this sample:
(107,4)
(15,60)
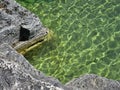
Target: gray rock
(17,24)
(93,82)
(17,74)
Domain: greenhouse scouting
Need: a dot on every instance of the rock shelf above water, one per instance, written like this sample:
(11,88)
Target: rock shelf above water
(19,29)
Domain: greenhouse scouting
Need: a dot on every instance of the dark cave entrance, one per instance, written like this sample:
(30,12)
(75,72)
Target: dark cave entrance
(24,34)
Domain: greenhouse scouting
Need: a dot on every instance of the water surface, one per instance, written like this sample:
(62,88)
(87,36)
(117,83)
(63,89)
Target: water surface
(86,38)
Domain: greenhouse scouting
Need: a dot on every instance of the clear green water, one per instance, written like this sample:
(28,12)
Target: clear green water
(86,38)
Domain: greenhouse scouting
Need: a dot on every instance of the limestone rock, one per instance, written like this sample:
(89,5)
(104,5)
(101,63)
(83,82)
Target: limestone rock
(17,24)
(17,74)
(93,82)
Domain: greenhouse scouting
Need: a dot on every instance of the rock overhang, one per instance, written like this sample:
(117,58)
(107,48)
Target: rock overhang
(18,26)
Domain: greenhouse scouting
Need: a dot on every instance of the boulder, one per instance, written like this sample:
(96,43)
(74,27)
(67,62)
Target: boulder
(18,26)
(93,82)
(16,73)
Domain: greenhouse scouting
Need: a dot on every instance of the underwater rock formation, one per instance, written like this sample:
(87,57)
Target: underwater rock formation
(19,28)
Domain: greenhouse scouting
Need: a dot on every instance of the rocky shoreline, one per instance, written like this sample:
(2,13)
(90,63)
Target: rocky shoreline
(19,29)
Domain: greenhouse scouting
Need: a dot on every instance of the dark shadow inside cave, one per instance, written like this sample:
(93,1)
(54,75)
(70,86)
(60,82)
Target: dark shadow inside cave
(24,34)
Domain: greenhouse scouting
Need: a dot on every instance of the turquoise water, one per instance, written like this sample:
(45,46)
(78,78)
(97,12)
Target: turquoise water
(86,38)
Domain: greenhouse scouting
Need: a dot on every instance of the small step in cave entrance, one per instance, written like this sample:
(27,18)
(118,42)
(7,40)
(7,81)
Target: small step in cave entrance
(24,34)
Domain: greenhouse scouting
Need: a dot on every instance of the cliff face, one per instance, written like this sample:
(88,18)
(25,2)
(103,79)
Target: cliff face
(19,29)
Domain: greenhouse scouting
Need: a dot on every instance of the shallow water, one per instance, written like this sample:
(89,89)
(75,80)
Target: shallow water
(86,38)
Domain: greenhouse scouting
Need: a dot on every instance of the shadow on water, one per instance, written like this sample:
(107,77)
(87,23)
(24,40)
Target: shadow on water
(88,38)
(44,49)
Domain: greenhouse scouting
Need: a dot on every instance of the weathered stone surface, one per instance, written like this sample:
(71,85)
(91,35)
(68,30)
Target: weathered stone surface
(93,82)
(17,74)
(18,24)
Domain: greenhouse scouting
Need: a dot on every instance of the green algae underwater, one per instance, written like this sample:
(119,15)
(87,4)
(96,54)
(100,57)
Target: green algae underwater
(86,38)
